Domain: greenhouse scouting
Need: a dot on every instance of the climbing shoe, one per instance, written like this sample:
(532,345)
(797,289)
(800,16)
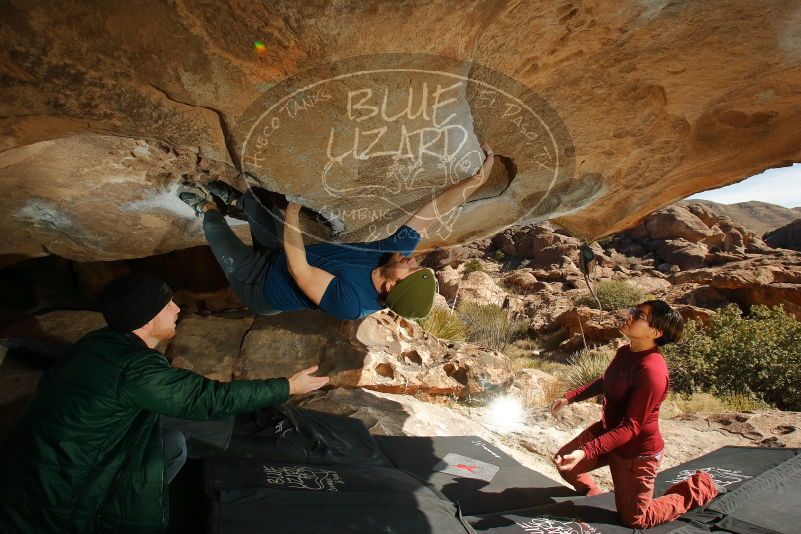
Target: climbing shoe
(195,197)
(223,191)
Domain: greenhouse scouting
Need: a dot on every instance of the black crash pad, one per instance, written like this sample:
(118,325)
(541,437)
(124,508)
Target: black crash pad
(770,502)
(734,467)
(253,496)
(728,466)
(589,515)
(289,434)
(512,486)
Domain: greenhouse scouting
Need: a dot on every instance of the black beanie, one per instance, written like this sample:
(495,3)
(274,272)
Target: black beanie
(130,301)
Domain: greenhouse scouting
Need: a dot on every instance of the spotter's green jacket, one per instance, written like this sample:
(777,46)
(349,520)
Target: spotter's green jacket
(87,454)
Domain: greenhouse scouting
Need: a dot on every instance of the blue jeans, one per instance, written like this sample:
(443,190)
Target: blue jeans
(174,452)
(246,267)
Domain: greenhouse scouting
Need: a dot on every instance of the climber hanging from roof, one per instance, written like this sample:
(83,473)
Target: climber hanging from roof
(345,280)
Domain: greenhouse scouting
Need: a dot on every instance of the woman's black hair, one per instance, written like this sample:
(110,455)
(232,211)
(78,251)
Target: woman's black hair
(665,319)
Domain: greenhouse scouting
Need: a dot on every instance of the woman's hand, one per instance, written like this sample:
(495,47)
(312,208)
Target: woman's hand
(569,460)
(557,405)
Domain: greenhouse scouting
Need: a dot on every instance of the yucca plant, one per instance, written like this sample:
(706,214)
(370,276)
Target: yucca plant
(586,365)
(442,323)
(613,295)
(490,326)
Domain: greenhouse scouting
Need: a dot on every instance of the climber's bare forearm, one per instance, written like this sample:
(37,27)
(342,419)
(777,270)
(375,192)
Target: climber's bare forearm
(452,197)
(293,241)
(311,280)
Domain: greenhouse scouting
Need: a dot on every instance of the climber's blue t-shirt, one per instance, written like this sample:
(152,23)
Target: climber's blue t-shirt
(351,294)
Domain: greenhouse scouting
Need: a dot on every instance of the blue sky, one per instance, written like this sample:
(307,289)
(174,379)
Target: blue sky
(780,186)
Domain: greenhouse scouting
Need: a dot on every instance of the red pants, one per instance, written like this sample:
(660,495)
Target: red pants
(634,485)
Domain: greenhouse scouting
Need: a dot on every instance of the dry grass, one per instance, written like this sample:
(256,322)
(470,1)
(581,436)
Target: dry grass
(553,389)
(521,348)
(524,354)
(706,402)
(515,290)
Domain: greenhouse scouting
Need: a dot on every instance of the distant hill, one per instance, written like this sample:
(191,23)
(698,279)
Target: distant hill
(759,217)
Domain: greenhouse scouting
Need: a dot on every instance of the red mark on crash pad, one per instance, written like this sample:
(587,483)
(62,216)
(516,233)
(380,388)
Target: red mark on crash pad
(466,467)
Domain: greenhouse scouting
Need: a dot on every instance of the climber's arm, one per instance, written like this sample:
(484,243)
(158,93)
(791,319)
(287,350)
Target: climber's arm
(453,196)
(311,280)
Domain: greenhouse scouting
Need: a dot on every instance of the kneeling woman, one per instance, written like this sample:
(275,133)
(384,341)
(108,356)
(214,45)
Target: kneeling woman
(627,437)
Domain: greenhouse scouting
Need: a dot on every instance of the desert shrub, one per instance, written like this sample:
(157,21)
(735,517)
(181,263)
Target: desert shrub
(472,266)
(744,403)
(443,324)
(498,255)
(614,294)
(586,365)
(490,326)
(758,357)
(551,367)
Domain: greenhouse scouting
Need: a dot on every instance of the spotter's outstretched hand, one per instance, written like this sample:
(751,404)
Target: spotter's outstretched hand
(303,382)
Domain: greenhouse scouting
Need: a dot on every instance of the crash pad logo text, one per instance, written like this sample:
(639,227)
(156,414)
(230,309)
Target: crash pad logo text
(721,476)
(556,525)
(303,478)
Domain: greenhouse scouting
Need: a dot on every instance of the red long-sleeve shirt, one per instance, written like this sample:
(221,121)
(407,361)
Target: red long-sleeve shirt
(634,386)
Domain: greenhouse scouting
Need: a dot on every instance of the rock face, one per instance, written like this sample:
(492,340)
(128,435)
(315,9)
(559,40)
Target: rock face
(209,345)
(689,237)
(380,352)
(770,279)
(675,222)
(546,245)
(98,130)
(52,332)
(476,287)
(788,236)
(597,327)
